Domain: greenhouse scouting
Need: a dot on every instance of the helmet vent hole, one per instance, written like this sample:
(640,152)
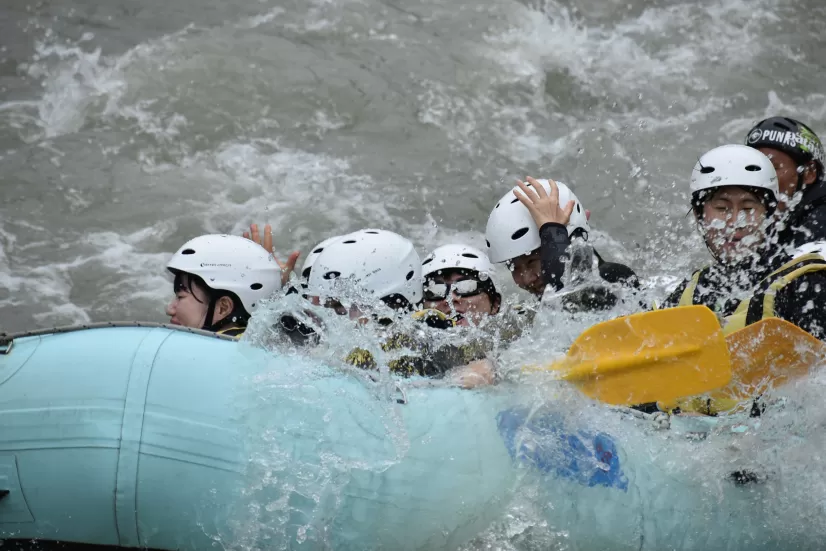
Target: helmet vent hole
(349,241)
(469,255)
(427,261)
(578,208)
(515,199)
(519,233)
(188,251)
(332,275)
(488,243)
(753,168)
(410,275)
(318,250)
(256,286)
(306,273)
(707,169)
(372,232)
(497,205)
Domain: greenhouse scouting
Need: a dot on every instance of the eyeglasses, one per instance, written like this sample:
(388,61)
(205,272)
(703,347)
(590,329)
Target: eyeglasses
(462,288)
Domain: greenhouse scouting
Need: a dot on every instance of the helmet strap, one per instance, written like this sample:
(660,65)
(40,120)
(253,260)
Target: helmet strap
(208,325)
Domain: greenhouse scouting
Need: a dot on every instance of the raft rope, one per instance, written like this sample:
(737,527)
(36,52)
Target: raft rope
(7,339)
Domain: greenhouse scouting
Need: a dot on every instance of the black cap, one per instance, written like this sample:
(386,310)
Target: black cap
(790,136)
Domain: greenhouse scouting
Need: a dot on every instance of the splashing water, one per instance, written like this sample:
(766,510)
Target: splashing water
(128,130)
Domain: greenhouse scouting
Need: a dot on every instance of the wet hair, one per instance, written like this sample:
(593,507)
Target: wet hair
(699,199)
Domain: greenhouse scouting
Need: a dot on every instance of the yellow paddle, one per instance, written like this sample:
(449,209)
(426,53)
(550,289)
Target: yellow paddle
(650,356)
(769,352)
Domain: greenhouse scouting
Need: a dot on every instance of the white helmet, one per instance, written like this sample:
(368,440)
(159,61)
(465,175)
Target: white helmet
(230,263)
(458,256)
(511,231)
(380,262)
(311,258)
(734,165)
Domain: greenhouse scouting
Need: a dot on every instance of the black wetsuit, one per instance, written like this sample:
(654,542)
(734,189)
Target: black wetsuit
(807,222)
(554,253)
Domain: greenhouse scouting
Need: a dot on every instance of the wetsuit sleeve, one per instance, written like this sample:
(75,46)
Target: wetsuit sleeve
(813,225)
(447,357)
(553,253)
(614,272)
(803,303)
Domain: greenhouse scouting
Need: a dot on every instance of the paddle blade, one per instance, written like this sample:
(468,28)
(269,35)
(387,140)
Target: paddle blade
(651,356)
(769,352)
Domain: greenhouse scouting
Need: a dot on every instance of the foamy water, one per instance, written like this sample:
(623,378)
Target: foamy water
(127,130)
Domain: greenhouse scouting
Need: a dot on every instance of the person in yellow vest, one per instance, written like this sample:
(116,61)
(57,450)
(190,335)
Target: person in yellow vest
(219,282)
(734,196)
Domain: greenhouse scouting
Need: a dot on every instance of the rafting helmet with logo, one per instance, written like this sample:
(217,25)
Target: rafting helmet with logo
(793,138)
(229,264)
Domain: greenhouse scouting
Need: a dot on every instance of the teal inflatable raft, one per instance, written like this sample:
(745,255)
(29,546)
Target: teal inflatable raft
(167,439)
(162,438)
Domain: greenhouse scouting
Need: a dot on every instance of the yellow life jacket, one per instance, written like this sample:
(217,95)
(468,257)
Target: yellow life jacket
(760,305)
(232,331)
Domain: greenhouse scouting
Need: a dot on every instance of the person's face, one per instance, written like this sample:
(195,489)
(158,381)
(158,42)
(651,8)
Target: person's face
(732,223)
(788,177)
(457,293)
(190,304)
(353,312)
(526,271)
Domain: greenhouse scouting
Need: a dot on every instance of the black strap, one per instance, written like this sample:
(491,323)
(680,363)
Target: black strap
(755,309)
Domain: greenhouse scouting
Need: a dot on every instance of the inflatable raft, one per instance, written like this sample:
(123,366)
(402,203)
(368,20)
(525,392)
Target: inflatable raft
(157,437)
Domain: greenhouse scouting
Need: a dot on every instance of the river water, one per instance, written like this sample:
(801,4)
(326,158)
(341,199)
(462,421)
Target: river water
(127,128)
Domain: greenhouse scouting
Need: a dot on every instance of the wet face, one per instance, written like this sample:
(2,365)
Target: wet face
(462,295)
(353,312)
(732,223)
(787,175)
(189,307)
(526,271)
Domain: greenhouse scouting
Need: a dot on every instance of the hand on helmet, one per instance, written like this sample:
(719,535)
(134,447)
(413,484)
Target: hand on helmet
(286,267)
(543,207)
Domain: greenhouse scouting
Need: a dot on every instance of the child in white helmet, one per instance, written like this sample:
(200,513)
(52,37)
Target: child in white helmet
(538,229)
(460,284)
(219,282)
(734,196)
(459,281)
